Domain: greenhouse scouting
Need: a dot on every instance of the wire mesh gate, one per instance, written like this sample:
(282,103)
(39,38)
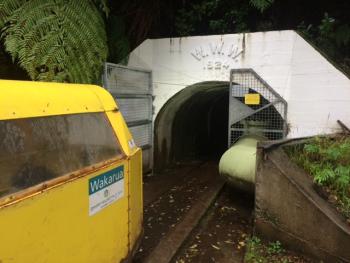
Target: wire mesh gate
(132,88)
(255,108)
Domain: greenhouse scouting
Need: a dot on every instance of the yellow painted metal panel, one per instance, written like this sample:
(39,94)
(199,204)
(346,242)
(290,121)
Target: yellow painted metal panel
(252,99)
(136,197)
(135,179)
(21,99)
(122,132)
(54,226)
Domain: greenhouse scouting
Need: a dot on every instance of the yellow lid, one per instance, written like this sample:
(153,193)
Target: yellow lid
(24,99)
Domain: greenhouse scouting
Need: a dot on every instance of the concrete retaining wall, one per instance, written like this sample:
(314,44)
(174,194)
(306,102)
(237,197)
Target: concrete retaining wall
(288,209)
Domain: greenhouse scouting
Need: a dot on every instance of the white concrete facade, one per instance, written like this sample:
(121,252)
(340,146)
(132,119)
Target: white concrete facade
(317,93)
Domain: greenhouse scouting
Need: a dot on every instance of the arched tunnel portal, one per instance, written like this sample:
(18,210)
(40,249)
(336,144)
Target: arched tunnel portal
(192,125)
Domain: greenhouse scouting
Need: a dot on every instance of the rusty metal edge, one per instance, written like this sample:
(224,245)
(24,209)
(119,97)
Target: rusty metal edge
(11,199)
(129,257)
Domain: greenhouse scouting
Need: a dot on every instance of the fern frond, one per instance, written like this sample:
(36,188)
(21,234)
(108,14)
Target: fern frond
(7,8)
(261,5)
(102,4)
(55,40)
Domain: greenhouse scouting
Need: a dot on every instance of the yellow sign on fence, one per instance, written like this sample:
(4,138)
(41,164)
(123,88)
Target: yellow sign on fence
(252,99)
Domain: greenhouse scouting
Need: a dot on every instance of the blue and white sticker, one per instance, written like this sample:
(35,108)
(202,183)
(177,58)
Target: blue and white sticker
(105,189)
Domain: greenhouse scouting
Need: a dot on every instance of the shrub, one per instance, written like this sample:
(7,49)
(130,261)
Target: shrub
(327,160)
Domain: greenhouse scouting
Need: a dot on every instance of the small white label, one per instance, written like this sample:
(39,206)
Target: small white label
(105,189)
(132,144)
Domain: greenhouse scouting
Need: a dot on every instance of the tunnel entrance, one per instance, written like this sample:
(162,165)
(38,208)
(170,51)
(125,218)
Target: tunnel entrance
(193,125)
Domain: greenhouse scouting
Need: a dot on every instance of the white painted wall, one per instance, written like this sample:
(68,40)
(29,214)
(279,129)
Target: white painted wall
(317,93)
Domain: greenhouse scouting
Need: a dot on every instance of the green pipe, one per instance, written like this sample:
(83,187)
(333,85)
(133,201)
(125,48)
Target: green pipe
(238,164)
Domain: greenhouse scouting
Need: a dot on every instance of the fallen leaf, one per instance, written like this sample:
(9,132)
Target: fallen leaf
(216,247)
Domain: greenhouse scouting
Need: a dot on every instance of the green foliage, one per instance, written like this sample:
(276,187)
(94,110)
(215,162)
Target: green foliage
(56,40)
(275,248)
(253,254)
(342,178)
(330,33)
(323,175)
(332,37)
(102,5)
(328,161)
(8,69)
(259,252)
(255,241)
(218,16)
(118,43)
(143,16)
(188,19)
(261,5)
(311,148)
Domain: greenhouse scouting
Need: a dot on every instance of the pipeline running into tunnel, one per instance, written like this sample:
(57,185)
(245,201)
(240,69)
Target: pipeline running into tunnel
(193,125)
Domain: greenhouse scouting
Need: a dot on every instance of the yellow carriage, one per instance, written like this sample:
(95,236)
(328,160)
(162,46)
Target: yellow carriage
(70,176)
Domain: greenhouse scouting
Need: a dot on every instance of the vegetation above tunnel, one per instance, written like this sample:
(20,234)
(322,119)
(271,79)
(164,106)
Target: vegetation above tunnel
(69,40)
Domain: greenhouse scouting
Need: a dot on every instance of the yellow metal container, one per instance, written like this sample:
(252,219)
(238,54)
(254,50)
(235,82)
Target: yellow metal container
(50,210)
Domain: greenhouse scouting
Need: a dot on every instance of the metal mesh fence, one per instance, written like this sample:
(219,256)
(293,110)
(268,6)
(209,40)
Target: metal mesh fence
(255,108)
(125,80)
(136,109)
(132,88)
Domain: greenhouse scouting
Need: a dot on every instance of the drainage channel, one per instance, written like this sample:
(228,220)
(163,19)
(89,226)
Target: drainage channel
(182,224)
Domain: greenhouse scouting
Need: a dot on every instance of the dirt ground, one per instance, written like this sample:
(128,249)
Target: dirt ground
(221,235)
(164,212)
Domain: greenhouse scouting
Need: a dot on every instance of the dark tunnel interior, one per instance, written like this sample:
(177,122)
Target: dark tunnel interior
(200,127)
(193,125)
